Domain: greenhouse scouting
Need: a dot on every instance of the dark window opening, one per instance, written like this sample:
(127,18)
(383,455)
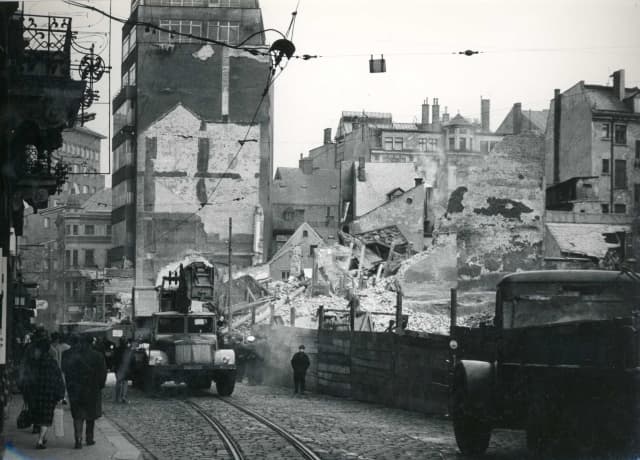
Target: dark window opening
(605,166)
(171,325)
(605,208)
(89,260)
(312,249)
(620,134)
(619,208)
(620,174)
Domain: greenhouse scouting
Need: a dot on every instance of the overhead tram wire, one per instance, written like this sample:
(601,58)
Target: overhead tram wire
(175,33)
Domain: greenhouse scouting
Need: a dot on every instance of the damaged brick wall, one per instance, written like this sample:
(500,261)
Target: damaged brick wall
(496,213)
(190,167)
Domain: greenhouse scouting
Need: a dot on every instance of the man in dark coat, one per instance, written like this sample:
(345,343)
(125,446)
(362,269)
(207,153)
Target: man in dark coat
(86,373)
(300,364)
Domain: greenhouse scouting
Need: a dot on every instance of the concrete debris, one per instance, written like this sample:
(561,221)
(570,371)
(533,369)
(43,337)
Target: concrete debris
(380,300)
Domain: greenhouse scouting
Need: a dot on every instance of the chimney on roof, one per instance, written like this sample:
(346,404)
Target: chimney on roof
(435,114)
(445,115)
(557,112)
(425,113)
(517,118)
(618,84)
(485,105)
(418,181)
(306,164)
(361,173)
(327,136)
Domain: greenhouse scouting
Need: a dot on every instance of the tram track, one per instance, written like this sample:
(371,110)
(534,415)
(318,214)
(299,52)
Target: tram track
(232,445)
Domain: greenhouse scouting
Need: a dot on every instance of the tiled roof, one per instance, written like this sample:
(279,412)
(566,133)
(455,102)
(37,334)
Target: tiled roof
(585,239)
(603,98)
(531,120)
(458,120)
(99,202)
(382,178)
(292,186)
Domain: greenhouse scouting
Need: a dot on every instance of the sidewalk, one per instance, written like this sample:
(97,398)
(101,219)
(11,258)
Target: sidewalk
(20,444)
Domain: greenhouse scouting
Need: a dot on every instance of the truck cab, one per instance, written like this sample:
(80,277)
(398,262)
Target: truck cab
(184,348)
(561,361)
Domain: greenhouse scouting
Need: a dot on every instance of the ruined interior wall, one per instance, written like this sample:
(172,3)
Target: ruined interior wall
(172,220)
(431,274)
(405,211)
(497,212)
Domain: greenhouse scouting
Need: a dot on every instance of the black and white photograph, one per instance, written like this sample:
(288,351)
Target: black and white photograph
(320,229)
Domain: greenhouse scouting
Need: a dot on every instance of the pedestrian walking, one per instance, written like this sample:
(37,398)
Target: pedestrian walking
(300,363)
(86,374)
(124,356)
(45,389)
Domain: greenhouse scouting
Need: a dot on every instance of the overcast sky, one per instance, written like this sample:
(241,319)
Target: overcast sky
(528,48)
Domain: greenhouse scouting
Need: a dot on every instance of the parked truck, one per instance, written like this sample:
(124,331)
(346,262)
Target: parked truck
(561,360)
(177,325)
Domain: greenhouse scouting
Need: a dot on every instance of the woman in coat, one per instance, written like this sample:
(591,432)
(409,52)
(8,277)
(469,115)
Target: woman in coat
(45,390)
(85,371)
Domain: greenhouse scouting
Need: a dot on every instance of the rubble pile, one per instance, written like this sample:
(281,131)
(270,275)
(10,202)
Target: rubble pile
(430,317)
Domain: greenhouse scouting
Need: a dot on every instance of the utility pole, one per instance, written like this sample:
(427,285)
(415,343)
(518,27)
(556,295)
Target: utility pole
(104,281)
(229,317)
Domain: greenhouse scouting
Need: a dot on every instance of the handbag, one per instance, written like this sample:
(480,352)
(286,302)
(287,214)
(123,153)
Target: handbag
(58,422)
(24,418)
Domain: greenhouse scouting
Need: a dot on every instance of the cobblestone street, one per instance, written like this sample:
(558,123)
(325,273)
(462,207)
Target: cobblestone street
(334,428)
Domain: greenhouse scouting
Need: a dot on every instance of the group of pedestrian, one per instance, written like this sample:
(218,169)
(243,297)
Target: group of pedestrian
(52,373)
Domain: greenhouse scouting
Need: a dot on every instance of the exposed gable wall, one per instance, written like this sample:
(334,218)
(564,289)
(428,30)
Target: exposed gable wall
(405,211)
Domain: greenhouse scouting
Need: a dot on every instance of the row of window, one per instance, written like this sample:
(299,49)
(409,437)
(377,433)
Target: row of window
(122,194)
(128,43)
(82,169)
(76,189)
(71,258)
(197,3)
(619,133)
(87,229)
(123,116)
(461,145)
(618,208)
(79,151)
(129,77)
(222,31)
(123,155)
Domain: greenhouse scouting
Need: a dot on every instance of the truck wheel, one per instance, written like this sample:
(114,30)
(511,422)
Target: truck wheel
(471,432)
(225,384)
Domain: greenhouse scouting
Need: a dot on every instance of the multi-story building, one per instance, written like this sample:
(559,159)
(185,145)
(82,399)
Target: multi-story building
(83,241)
(592,170)
(181,166)
(442,149)
(38,246)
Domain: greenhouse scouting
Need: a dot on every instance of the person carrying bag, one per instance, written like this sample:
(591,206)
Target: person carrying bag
(58,421)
